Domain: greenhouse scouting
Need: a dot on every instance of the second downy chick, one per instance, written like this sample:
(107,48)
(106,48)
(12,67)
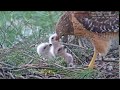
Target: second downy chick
(44,50)
(62,51)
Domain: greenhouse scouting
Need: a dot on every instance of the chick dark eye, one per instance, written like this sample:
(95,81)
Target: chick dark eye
(59,49)
(44,47)
(50,45)
(52,37)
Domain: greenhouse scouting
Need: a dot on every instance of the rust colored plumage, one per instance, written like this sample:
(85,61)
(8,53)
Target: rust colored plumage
(99,27)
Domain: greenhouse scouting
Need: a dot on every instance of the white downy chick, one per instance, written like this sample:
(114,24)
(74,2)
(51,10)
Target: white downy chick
(62,51)
(55,44)
(44,50)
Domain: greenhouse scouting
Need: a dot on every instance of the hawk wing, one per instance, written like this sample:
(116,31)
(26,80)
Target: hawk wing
(99,22)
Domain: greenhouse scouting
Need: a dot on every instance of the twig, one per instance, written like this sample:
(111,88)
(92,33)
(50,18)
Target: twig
(75,55)
(31,66)
(73,45)
(36,77)
(10,74)
(54,77)
(59,66)
(116,61)
(20,77)
(1,74)
(6,64)
(32,56)
(68,68)
(30,61)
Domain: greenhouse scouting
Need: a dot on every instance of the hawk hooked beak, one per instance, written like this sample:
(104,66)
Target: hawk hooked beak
(57,38)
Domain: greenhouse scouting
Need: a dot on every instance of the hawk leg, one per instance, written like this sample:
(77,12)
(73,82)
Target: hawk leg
(92,62)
